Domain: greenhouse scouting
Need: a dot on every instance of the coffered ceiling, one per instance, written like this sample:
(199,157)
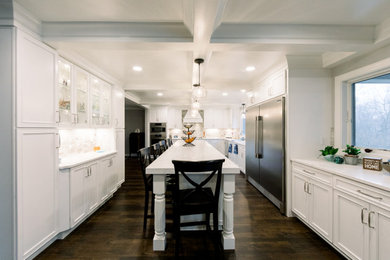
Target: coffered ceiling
(165,36)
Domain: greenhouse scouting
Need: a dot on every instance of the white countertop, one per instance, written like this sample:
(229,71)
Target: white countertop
(202,151)
(77,159)
(377,179)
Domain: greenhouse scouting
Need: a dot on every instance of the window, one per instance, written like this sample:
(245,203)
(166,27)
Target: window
(371,113)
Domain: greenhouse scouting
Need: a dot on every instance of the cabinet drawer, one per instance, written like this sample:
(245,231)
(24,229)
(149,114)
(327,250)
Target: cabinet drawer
(363,191)
(315,174)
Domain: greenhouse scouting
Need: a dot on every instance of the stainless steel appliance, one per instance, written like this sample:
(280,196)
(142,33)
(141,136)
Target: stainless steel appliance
(157,132)
(265,150)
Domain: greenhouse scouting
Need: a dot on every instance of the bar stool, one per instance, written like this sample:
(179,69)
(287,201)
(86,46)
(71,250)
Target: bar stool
(145,158)
(163,146)
(155,150)
(197,200)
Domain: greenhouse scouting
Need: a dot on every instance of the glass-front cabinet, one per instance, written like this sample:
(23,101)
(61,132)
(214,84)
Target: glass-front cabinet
(84,100)
(64,92)
(81,96)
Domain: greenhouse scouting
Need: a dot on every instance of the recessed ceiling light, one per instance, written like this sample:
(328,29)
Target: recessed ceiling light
(160,94)
(137,68)
(243,90)
(224,94)
(250,68)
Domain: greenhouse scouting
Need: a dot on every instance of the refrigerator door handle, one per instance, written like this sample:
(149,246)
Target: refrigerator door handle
(259,137)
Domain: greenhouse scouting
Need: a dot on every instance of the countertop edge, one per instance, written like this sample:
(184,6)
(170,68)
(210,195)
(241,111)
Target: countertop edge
(82,161)
(354,173)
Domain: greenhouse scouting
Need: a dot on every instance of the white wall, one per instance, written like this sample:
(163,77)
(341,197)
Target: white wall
(7,179)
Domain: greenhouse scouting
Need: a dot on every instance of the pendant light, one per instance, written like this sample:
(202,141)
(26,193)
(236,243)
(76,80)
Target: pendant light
(195,105)
(198,91)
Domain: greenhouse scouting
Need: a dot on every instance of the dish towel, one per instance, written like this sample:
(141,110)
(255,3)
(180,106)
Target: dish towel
(236,149)
(230,148)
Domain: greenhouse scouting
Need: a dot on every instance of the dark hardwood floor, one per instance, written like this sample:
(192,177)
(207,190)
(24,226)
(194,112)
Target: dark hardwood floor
(115,231)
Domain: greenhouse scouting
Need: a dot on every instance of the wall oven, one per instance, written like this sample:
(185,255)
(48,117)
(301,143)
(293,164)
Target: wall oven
(157,132)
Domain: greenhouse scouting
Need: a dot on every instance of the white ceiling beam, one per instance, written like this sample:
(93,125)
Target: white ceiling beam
(188,15)
(293,34)
(332,59)
(125,31)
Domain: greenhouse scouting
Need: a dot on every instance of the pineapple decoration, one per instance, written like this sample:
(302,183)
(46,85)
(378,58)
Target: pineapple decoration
(188,139)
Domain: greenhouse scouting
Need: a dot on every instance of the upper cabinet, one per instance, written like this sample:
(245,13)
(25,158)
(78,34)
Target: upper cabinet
(273,86)
(83,99)
(217,118)
(174,118)
(118,107)
(158,114)
(35,83)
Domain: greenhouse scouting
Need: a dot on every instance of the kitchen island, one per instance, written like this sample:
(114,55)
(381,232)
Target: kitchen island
(201,151)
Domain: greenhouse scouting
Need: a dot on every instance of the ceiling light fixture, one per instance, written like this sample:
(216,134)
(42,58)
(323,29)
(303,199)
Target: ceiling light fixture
(225,94)
(250,68)
(243,90)
(198,90)
(195,105)
(137,68)
(160,94)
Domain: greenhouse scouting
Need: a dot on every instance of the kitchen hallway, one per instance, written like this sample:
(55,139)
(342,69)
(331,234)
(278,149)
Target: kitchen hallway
(115,231)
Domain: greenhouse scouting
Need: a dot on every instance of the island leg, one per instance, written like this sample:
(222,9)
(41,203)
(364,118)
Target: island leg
(159,240)
(228,239)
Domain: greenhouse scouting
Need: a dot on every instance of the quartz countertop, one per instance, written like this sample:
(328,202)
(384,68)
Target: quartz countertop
(202,151)
(73,160)
(378,179)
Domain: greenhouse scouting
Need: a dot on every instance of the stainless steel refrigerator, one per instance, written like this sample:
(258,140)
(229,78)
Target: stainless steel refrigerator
(265,150)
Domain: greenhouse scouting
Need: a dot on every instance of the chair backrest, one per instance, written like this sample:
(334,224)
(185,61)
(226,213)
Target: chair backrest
(212,166)
(155,150)
(145,158)
(163,146)
(169,142)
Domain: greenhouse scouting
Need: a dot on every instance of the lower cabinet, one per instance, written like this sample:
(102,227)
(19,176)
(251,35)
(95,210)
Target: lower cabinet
(119,161)
(108,178)
(312,199)
(219,144)
(83,191)
(360,213)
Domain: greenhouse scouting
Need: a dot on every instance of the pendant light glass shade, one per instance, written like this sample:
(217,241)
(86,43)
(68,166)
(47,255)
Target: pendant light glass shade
(195,105)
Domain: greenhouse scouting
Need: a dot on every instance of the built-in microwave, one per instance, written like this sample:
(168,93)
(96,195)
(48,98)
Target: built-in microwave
(157,127)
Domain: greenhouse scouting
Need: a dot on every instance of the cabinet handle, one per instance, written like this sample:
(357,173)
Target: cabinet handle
(312,173)
(57,116)
(369,219)
(371,196)
(308,188)
(362,216)
(304,188)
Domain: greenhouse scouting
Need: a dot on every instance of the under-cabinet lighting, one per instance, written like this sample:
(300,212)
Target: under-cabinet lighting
(137,68)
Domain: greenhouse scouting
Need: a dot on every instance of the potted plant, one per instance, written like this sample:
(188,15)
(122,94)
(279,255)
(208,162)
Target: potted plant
(329,152)
(352,154)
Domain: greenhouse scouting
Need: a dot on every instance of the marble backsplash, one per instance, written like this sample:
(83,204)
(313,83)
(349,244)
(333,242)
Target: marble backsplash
(79,141)
(207,133)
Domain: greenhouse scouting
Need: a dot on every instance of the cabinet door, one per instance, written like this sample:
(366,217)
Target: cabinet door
(379,233)
(321,208)
(120,158)
(105,100)
(95,101)
(37,198)
(65,94)
(299,196)
(77,195)
(35,83)
(174,118)
(105,178)
(91,188)
(209,118)
(118,107)
(112,176)
(81,79)
(350,230)
(278,84)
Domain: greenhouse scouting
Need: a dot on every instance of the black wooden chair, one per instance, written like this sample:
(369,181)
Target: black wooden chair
(169,142)
(163,146)
(155,150)
(145,158)
(199,199)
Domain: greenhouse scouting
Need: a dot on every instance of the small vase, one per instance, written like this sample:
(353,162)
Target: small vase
(329,157)
(351,159)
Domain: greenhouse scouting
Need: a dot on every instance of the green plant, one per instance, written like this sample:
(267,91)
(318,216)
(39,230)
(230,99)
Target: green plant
(351,150)
(329,150)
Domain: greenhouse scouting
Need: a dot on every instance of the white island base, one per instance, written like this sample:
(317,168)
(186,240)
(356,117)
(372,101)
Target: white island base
(200,152)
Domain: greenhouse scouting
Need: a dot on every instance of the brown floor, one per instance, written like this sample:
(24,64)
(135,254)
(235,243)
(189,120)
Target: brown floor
(115,231)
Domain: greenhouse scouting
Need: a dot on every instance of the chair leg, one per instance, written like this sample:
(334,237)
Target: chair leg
(146,208)
(208,222)
(176,223)
(215,221)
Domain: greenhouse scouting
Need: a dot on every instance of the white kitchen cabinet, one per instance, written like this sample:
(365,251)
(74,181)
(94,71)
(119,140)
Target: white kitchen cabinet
(174,118)
(217,118)
(119,161)
(379,233)
(81,97)
(36,94)
(37,192)
(350,225)
(158,114)
(238,158)
(100,96)
(108,179)
(118,107)
(83,191)
(273,86)
(312,195)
